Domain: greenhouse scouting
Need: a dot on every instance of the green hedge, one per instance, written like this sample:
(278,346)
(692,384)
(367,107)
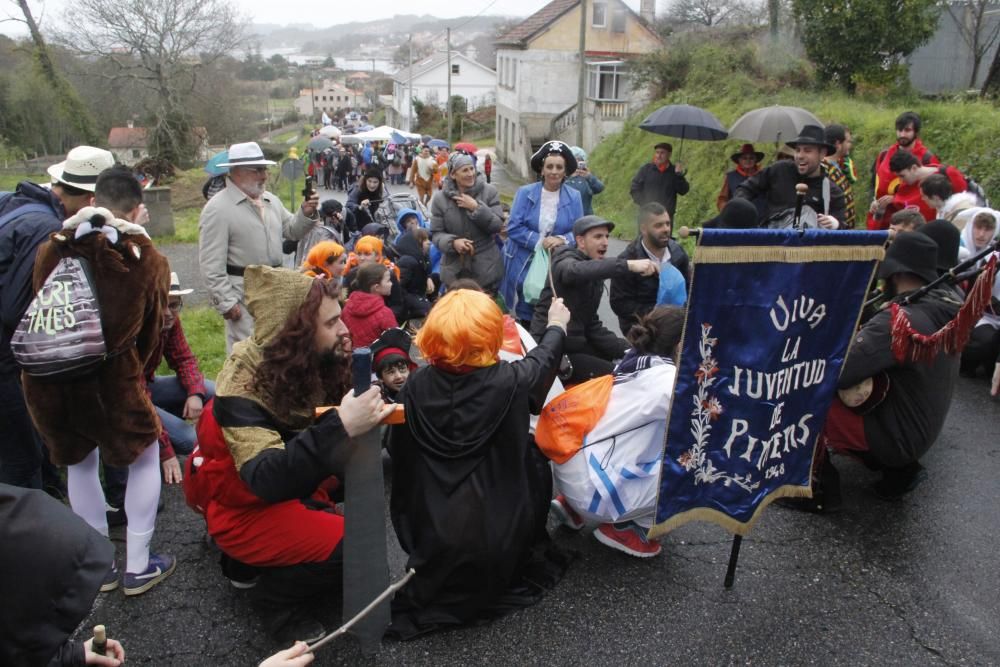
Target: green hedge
(960,133)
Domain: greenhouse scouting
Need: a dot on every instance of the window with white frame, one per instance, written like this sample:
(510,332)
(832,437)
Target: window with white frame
(607,81)
(600,14)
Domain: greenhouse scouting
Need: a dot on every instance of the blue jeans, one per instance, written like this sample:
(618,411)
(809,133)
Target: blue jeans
(169,398)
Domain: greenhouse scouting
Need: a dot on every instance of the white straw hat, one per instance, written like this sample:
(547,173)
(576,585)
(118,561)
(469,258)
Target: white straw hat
(82,166)
(175,286)
(246,155)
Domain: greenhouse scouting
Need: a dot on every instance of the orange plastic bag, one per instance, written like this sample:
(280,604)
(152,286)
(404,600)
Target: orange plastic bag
(569,417)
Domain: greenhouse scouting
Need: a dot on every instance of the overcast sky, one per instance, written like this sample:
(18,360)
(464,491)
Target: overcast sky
(286,12)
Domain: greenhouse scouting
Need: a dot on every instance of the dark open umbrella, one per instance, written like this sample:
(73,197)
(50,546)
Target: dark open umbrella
(685,122)
(775,123)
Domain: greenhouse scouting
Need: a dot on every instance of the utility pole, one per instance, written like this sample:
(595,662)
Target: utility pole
(449,87)
(312,97)
(582,84)
(409,94)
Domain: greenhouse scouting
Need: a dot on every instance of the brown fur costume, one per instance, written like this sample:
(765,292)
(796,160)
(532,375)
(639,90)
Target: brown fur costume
(110,408)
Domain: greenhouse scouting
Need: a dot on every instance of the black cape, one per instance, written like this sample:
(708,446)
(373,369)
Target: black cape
(51,568)
(470,493)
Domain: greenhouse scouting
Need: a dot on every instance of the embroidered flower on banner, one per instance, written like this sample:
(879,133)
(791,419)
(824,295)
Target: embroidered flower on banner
(707,408)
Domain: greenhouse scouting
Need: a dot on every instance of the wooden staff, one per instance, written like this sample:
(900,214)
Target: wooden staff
(552,284)
(383,596)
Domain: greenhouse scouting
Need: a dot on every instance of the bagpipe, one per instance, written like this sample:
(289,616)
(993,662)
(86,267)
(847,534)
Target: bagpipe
(909,345)
(964,271)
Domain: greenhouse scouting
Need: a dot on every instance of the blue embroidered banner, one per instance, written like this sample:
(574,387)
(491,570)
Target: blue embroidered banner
(771,314)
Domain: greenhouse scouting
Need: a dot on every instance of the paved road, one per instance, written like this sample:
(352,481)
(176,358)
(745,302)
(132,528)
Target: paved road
(907,583)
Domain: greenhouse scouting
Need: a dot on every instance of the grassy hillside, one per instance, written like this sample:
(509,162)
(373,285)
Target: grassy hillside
(960,133)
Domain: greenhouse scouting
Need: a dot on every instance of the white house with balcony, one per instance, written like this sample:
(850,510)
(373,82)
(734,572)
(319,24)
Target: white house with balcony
(538,73)
(428,79)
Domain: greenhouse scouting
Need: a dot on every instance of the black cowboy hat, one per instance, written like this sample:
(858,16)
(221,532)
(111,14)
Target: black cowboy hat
(553,148)
(911,252)
(747,149)
(812,135)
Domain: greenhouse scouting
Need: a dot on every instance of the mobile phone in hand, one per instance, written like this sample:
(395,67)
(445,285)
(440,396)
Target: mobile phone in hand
(308,189)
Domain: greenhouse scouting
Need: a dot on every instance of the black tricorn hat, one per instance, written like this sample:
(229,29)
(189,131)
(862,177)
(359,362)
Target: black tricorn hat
(911,252)
(553,148)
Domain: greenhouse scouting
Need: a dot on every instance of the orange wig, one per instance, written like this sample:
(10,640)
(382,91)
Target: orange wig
(369,244)
(464,328)
(321,259)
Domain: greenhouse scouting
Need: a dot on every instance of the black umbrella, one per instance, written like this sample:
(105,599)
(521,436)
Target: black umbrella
(685,122)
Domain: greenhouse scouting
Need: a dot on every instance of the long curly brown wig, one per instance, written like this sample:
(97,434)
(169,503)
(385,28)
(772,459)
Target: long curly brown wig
(293,375)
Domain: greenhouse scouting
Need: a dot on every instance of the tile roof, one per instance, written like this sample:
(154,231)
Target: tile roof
(126,137)
(531,26)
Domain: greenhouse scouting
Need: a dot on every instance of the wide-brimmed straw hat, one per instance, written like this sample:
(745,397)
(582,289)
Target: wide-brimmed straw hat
(175,286)
(746,149)
(247,155)
(81,167)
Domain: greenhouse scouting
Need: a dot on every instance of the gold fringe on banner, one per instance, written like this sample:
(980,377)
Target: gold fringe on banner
(763,254)
(729,523)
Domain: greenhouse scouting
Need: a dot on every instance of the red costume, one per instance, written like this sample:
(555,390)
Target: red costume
(886,182)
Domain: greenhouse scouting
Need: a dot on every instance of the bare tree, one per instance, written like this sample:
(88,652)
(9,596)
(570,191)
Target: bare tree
(708,13)
(162,45)
(979,27)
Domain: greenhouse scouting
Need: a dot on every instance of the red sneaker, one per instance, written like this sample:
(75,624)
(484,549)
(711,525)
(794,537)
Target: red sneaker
(567,515)
(630,539)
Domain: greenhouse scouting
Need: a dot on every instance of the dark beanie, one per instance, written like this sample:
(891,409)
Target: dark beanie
(948,239)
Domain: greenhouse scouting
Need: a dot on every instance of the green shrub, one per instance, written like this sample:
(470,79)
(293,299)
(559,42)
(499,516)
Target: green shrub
(206,334)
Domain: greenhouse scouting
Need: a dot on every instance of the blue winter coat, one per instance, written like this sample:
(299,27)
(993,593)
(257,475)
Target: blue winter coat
(587,187)
(435,255)
(19,242)
(523,236)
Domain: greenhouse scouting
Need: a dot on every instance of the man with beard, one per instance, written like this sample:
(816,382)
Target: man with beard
(777,182)
(884,182)
(633,295)
(897,408)
(264,470)
(578,275)
(231,236)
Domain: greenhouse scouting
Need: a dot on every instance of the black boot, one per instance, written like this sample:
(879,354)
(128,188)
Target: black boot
(826,490)
(897,482)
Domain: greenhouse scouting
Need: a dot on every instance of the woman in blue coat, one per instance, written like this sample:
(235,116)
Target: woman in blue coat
(543,212)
